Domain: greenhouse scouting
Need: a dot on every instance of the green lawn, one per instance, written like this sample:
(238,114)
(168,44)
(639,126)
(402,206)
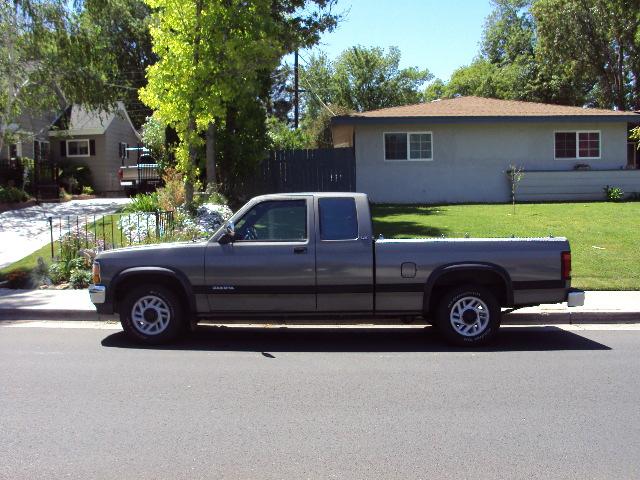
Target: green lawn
(604,237)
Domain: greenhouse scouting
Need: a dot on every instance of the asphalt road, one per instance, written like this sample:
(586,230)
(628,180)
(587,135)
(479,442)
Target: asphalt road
(323,403)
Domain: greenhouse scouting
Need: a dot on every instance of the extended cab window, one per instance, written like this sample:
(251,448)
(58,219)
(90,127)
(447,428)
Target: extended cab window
(274,221)
(338,219)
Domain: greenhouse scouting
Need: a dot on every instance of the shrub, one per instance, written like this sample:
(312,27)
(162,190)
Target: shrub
(80,278)
(20,278)
(210,196)
(613,194)
(58,273)
(172,194)
(74,177)
(143,202)
(87,190)
(12,195)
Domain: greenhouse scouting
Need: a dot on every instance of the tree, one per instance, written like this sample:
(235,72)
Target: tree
(119,30)
(511,64)
(210,53)
(46,62)
(362,79)
(600,39)
(214,71)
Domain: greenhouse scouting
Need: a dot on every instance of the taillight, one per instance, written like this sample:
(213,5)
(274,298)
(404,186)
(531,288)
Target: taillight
(95,273)
(120,173)
(566,265)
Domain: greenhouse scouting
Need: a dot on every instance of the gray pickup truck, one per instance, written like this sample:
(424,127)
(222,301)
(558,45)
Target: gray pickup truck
(307,257)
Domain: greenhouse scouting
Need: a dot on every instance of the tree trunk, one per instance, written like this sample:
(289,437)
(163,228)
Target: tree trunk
(211,155)
(192,126)
(193,158)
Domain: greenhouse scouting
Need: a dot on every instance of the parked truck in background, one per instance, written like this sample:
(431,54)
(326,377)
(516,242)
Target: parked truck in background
(307,257)
(141,175)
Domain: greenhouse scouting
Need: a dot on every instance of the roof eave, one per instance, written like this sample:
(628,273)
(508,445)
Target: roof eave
(77,132)
(356,120)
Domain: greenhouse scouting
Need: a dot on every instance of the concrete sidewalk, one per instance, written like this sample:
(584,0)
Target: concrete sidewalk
(600,307)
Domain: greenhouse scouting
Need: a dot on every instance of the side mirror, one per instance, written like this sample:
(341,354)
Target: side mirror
(225,238)
(228,235)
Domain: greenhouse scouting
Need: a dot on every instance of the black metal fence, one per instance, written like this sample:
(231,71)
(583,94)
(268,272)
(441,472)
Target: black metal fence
(105,232)
(317,170)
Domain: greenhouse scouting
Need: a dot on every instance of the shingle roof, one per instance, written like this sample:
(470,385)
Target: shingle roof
(484,107)
(487,109)
(76,120)
(76,117)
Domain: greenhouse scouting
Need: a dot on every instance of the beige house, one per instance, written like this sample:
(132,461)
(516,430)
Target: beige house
(459,150)
(96,139)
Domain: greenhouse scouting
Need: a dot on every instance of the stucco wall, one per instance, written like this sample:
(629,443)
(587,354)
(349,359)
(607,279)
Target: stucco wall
(470,160)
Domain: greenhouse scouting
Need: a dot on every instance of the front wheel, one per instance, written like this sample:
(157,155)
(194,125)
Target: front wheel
(468,315)
(152,315)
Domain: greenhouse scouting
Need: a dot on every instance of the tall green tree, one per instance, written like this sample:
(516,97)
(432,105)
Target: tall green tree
(600,40)
(361,79)
(214,71)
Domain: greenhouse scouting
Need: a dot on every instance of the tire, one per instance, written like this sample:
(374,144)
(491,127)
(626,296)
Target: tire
(152,315)
(468,315)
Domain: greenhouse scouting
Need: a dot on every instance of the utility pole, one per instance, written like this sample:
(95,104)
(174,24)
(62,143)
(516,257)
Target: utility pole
(296,93)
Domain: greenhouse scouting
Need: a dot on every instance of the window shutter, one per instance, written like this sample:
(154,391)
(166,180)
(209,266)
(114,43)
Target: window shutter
(92,147)
(63,148)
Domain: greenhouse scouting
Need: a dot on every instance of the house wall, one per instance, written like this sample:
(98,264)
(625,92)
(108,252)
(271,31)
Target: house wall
(104,165)
(91,161)
(470,159)
(119,130)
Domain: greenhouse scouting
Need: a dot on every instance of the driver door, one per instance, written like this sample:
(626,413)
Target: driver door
(270,265)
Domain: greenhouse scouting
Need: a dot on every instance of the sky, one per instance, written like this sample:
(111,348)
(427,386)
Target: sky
(440,35)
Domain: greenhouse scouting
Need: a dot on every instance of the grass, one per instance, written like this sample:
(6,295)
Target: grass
(604,237)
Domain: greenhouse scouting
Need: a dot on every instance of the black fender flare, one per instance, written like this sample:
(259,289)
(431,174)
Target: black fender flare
(467,267)
(155,271)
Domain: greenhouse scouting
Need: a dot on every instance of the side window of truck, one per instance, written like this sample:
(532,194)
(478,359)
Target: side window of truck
(338,219)
(274,221)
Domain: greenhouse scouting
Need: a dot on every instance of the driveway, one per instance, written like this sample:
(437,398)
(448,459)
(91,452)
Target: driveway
(24,231)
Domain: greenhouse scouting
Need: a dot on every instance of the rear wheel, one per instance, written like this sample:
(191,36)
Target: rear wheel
(152,315)
(468,315)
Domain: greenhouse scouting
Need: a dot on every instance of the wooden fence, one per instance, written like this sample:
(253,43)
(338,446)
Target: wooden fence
(318,170)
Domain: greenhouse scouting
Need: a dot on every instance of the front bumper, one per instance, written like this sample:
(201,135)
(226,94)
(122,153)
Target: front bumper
(575,298)
(98,294)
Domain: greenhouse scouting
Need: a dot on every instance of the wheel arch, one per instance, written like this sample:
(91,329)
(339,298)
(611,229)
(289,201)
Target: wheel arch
(486,274)
(165,276)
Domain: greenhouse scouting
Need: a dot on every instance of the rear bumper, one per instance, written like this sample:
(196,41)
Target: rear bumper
(575,298)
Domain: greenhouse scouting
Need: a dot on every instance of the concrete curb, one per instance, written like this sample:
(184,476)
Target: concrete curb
(515,318)
(51,314)
(570,318)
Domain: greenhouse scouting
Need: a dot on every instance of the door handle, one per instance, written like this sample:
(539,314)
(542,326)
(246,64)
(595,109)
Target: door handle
(300,250)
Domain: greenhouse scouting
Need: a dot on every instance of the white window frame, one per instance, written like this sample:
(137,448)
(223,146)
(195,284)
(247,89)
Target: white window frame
(408,159)
(79,140)
(577,133)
